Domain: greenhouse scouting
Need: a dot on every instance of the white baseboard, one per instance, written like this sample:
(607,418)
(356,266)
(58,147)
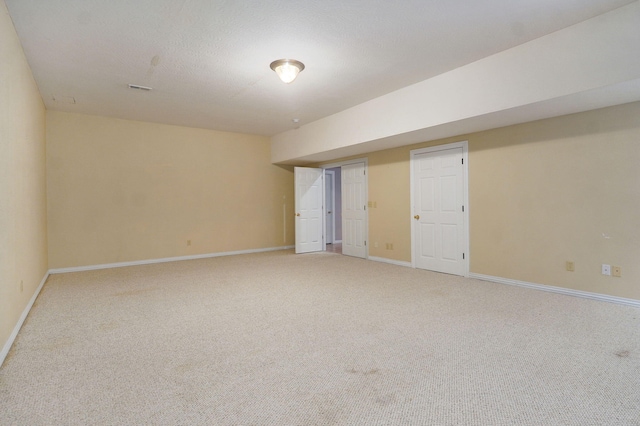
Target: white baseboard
(499,280)
(27,309)
(163,260)
(391,261)
(23,317)
(560,290)
(338,241)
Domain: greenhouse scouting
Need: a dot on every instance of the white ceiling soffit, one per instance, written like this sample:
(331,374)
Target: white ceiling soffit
(208,61)
(592,64)
(585,101)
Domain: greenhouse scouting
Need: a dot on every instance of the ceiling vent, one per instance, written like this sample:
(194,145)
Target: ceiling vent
(64,100)
(136,86)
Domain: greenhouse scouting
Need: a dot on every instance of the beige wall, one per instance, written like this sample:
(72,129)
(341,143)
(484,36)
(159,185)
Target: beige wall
(23,229)
(540,194)
(123,190)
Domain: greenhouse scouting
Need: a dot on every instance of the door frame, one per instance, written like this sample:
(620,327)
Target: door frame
(333,205)
(465,197)
(364,160)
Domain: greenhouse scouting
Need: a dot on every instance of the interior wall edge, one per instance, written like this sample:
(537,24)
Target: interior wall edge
(164,260)
(390,261)
(16,329)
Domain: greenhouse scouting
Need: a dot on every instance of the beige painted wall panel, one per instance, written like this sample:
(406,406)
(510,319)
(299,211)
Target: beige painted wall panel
(563,189)
(390,200)
(123,190)
(23,229)
(540,194)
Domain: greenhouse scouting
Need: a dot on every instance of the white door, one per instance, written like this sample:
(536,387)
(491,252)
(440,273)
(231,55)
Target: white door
(309,212)
(329,205)
(438,210)
(354,213)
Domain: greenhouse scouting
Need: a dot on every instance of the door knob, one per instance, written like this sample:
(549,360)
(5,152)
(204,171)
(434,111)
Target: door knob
(417,217)
(297,214)
(329,212)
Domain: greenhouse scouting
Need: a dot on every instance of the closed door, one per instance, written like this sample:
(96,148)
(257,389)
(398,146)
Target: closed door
(309,217)
(354,214)
(438,210)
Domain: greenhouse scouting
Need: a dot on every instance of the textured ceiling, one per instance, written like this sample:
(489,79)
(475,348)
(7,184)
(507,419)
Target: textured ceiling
(208,61)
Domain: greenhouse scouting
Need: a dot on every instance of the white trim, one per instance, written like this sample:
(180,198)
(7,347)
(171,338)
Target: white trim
(333,202)
(27,309)
(391,261)
(324,212)
(465,196)
(490,278)
(338,242)
(163,260)
(23,317)
(346,163)
(559,290)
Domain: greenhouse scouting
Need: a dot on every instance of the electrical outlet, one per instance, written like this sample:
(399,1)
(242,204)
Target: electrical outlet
(570,266)
(616,271)
(389,246)
(606,269)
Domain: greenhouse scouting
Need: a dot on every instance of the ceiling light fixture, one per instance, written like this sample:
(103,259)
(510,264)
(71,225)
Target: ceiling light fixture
(287,69)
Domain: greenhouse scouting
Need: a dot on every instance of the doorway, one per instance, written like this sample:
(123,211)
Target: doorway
(350,216)
(311,215)
(333,210)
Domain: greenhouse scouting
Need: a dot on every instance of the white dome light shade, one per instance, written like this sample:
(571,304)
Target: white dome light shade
(287,69)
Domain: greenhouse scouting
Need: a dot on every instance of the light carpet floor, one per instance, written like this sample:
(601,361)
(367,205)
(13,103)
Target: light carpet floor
(317,339)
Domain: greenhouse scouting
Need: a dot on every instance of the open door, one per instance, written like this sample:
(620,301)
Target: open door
(354,210)
(309,184)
